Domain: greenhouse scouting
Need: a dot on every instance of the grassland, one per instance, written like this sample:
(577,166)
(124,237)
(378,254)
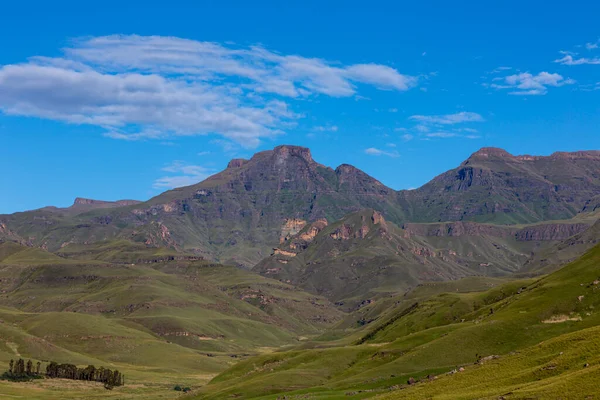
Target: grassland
(161,319)
(523,322)
(226,332)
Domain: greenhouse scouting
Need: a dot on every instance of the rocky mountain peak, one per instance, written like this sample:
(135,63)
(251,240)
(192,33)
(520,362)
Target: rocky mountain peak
(286,151)
(84,201)
(81,201)
(491,153)
(236,163)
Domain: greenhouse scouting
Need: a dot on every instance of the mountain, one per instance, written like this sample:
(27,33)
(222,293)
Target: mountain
(424,280)
(496,187)
(363,257)
(239,214)
(234,216)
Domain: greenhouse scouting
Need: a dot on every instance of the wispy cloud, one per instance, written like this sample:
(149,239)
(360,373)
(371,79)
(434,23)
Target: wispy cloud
(328,128)
(592,46)
(441,135)
(185,175)
(444,126)
(448,119)
(573,58)
(568,59)
(528,84)
(373,151)
(149,87)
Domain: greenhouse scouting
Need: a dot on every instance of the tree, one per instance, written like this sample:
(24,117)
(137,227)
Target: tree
(20,367)
(52,370)
(10,366)
(29,370)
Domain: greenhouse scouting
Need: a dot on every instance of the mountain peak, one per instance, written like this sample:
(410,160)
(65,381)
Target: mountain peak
(285,151)
(84,201)
(236,163)
(491,152)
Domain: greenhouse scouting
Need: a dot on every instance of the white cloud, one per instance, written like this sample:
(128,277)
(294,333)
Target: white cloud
(528,84)
(421,128)
(443,135)
(592,46)
(500,69)
(328,128)
(372,151)
(149,87)
(449,119)
(444,126)
(569,60)
(204,153)
(186,175)
(407,137)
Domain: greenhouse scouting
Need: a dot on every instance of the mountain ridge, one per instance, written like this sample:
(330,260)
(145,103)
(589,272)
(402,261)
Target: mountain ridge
(238,214)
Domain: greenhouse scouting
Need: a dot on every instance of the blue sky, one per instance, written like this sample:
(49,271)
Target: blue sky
(126,99)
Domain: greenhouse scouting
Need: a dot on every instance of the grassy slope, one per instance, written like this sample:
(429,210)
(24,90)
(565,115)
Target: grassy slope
(164,322)
(555,368)
(429,339)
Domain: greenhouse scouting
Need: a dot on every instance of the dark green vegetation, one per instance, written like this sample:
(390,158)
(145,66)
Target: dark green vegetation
(339,286)
(20,371)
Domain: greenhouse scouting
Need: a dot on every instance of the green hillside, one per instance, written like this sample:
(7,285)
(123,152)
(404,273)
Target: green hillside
(429,336)
(160,319)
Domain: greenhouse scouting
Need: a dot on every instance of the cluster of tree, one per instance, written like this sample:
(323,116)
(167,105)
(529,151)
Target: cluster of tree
(20,370)
(90,373)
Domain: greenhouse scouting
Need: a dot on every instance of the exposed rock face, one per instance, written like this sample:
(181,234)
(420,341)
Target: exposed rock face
(284,253)
(314,229)
(236,163)
(81,200)
(456,229)
(344,232)
(539,232)
(290,228)
(377,218)
(564,252)
(302,239)
(550,231)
